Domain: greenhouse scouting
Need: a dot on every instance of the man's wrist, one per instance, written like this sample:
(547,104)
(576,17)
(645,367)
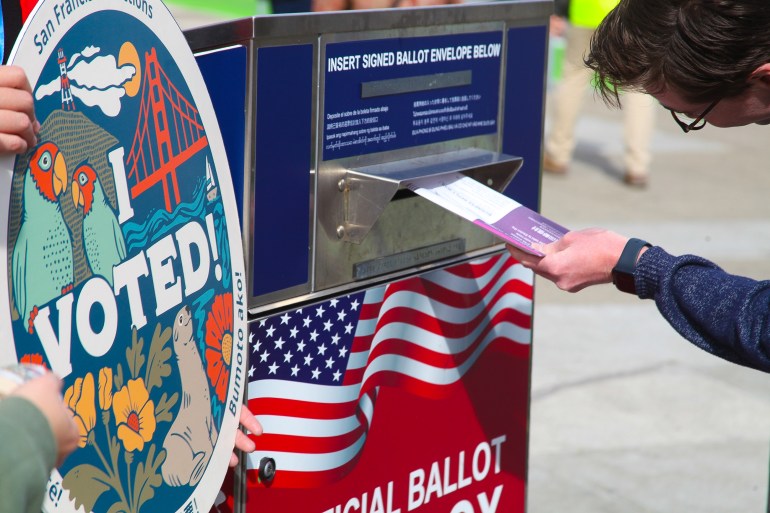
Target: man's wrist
(623,272)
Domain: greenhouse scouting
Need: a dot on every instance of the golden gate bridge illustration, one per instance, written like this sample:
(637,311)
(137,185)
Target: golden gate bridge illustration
(168,133)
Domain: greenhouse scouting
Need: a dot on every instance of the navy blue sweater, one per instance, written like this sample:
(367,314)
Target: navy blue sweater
(724,314)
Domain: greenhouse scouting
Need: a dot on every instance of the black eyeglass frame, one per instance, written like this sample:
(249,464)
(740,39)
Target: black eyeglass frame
(689,127)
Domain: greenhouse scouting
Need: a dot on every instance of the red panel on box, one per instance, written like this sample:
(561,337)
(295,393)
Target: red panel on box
(439,368)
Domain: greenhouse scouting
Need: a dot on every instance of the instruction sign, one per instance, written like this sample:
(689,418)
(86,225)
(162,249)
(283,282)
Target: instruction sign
(388,94)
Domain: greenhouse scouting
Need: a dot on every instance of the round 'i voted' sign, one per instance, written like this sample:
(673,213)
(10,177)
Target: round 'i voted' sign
(125,267)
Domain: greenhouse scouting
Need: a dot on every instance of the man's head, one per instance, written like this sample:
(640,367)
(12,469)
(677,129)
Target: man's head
(690,55)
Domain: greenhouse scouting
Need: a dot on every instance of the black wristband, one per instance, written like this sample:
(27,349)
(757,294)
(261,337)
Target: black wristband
(623,273)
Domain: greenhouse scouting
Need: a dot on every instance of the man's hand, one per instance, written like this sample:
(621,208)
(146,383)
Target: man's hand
(577,260)
(45,393)
(18,125)
(242,441)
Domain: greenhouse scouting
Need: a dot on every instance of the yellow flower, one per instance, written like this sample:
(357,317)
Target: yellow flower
(80,398)
(134,414)
(105,388)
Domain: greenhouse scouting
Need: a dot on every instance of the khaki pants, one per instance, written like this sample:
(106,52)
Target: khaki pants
(567,100)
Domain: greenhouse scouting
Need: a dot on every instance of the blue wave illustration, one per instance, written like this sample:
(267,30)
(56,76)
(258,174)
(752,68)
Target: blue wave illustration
(161,223)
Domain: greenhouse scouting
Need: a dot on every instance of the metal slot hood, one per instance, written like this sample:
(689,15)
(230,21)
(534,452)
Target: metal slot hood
(366,191)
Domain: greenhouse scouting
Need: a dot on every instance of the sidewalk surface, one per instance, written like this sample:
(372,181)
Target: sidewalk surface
(626,416)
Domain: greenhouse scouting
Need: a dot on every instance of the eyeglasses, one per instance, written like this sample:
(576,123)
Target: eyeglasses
(698,123)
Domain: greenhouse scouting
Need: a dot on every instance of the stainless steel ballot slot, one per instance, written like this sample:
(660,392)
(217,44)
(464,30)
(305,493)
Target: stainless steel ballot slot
(368,190)
(410,232)
(341,111)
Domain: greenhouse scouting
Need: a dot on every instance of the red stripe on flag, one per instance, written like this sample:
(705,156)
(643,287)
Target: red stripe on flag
(305,409)
(309,444)
(429,390)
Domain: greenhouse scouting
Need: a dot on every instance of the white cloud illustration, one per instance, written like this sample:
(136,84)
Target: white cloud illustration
(96,82)
(87,52)
(100,72)
(52,87)
(106,99)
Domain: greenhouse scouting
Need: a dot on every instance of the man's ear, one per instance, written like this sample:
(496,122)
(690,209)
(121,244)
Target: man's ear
(761,75)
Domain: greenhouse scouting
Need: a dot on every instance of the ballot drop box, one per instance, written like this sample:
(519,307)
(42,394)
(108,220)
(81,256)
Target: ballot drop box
(389,339)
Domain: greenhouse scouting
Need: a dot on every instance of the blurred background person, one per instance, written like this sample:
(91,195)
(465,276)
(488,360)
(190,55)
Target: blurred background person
(583,17)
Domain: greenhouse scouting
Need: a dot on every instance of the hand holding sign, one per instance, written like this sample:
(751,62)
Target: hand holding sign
(18,126)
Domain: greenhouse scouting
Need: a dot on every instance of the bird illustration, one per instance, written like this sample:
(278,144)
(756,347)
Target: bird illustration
(103,239)
(42,256)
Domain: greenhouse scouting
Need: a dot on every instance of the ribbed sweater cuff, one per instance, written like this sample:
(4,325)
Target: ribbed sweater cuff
(650,270)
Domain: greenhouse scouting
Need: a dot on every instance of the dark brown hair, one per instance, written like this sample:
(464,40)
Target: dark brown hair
(703,49)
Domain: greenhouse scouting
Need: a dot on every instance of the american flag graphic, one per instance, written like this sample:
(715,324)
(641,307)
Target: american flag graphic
(315,371)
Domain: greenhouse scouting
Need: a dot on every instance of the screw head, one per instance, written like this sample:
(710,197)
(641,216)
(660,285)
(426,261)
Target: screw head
(267,469)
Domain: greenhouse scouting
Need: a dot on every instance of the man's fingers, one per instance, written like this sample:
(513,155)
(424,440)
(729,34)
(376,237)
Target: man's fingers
(17,100)
(250,422)
(528,260)
(14,77)
(243,442)
(17,144)
(17,132)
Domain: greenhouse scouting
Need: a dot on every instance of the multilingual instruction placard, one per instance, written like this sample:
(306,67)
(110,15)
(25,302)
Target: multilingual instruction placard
(388,94)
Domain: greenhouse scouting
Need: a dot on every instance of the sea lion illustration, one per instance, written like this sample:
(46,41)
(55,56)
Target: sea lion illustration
(193,435)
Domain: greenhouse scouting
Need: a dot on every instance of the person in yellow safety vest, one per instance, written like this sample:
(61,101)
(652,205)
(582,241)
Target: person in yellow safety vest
(567,101)
(589,13)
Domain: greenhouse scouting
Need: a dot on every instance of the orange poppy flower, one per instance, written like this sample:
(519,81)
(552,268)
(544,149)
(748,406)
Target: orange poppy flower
(81,399)
(219,344)
(105,388)
(134,415)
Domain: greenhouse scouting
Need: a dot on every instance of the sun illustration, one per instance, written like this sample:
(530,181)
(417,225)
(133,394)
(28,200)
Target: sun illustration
(129,55)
